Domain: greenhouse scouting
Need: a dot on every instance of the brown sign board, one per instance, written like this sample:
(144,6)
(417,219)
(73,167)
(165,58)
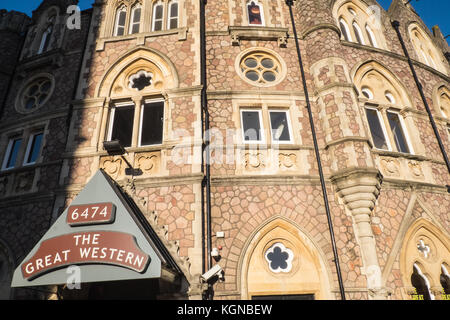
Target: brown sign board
(96,213)
(101,232)
(104,247)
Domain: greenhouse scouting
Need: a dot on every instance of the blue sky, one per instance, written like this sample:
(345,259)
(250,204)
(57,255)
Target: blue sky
(432,12)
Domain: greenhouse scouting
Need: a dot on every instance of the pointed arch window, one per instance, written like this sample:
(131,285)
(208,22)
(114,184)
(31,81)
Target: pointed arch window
(135,22)
(358,33)
(421,284)
(371,36)
(345,30)
(158,16)
(445,280)
(121,18)
(172,20)
(47,36)
(255,13)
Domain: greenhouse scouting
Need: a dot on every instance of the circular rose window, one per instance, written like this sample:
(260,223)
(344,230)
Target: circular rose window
(261,68)
(34,94)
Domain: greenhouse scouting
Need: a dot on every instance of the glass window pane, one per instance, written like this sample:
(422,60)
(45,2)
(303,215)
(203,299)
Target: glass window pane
(376,130)
(122,18)
(280,126)
(254,14)
(397,131)
(120,31)
(158,12)
(251,125)
(137,15)
(35,148)
(173,23)
(123,125)
(158,26)
(174,10)
(152,123)
(12,156)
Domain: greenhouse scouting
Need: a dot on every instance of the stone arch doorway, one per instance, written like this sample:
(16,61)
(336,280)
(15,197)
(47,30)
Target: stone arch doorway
(281,262)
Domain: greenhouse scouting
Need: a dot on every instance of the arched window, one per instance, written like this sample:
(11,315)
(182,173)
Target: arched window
(443,102)
(425,50)
(345,30)
(172,22)
(359,23)
(358,33)
(47,36)
(445,279)
(421,284)
(121,19)
(371,36)
(135,22)
(158,16)
(255,13)
(386,99)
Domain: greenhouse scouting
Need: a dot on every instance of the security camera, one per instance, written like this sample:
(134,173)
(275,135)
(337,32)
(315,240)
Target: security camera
(211,273)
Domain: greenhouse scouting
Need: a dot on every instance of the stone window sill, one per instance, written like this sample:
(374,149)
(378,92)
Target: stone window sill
(140,37)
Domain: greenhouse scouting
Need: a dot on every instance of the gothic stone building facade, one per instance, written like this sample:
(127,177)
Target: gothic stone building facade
(133,72)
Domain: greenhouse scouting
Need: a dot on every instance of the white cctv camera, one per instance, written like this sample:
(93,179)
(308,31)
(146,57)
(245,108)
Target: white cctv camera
(214,271)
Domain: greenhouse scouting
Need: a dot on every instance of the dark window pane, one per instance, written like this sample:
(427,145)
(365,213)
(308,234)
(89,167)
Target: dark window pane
(12,157)
(123,125)
(120,31)
(122,18)
(152,123)
(344,31)
(35,148)
(251,63)
(357,34)
(30,104)
(269,76)
(251,125)
(378,137)
(397,131)
(174,10)
(254,14)
(280,129)
(158,25)
(173,23)
(159,12)
(252,75)
(137,15)
(267,63)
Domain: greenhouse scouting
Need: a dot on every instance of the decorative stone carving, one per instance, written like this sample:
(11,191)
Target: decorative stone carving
(113,166)
(287,161)
(416,169)
(390,167)
(254,161)
(148,162)
(23,181)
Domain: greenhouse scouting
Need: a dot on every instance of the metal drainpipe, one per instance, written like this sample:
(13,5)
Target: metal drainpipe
(396,26)
(316,148)
(205,151)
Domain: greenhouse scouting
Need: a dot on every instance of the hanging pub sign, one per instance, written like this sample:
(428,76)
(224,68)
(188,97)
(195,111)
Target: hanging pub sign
(101,233)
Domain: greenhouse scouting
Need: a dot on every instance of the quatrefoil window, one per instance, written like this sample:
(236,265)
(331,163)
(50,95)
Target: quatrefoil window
(140,80)
(279,258)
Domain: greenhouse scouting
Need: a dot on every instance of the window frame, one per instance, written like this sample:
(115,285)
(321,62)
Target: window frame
(261,10)
(9,149)
(132,23)
(154,5)
(141,118)
(358,33)
(346,32)
(112,116)
(46,36)
(120,10)
(169,12)
(289,123)
(261,124)
(371,36)
(31,137)
(383,128)
(404,129)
